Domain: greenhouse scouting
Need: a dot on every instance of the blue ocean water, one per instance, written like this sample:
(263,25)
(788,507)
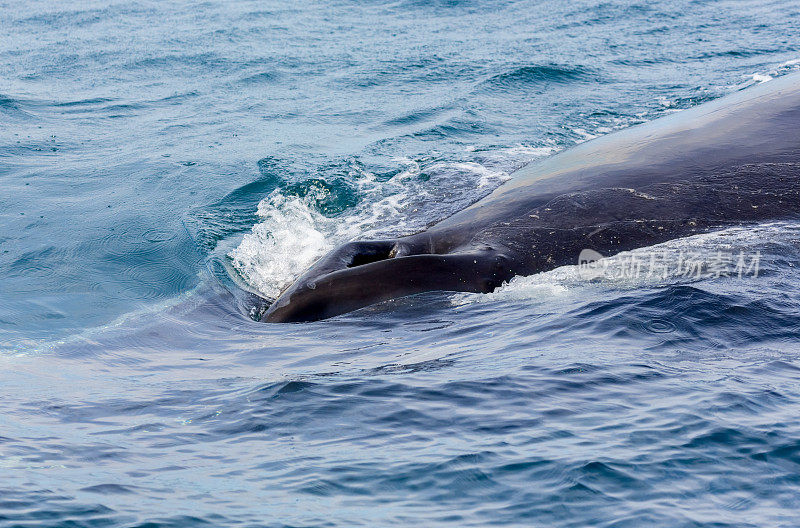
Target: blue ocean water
(159,160)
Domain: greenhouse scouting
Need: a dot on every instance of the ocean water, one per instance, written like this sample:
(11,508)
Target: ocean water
(160,162)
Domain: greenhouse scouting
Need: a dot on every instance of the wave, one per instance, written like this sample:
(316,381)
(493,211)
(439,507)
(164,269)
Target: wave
(527,76)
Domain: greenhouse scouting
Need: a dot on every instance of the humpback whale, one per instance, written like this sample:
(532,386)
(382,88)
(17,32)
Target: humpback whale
(731,161)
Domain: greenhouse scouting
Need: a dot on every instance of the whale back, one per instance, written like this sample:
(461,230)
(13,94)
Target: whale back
(610,220)
(734,160)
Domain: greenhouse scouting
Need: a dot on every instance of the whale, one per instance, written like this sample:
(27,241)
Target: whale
(731,161)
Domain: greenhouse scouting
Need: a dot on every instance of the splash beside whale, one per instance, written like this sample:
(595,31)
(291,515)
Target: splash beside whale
(732,161)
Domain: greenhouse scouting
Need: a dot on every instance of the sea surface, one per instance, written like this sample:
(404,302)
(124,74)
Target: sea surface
(162,162)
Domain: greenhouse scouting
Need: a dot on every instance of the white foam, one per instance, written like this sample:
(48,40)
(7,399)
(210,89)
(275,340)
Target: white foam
(584,135)
(287,239)
(527,151)
(665,102)
(781,69)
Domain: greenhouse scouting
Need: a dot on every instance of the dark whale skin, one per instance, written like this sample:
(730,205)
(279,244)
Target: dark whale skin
(732,161)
